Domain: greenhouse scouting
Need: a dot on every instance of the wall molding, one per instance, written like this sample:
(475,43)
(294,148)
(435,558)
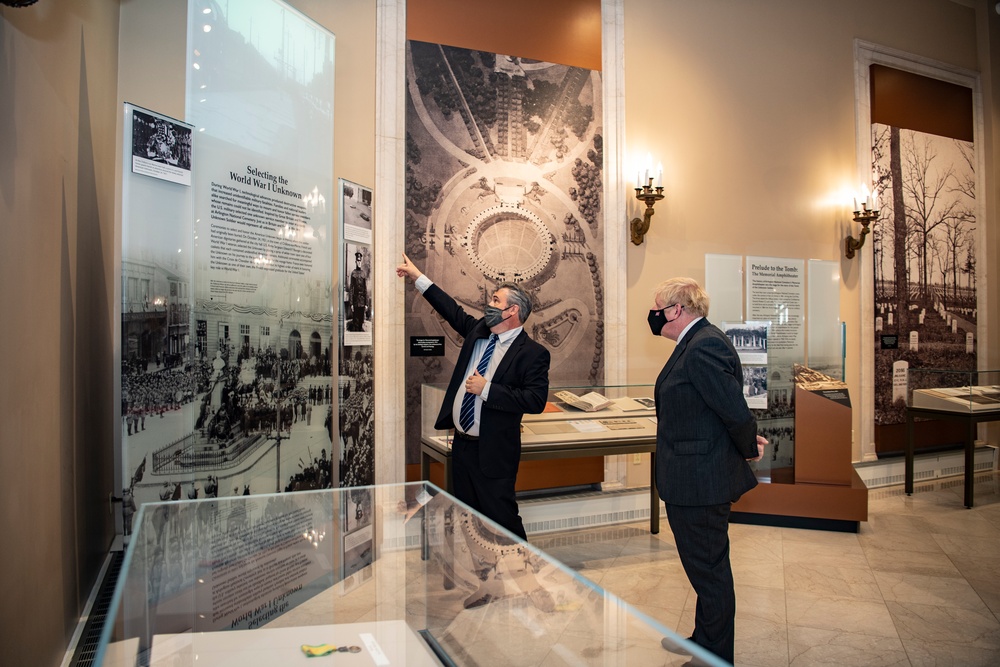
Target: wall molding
(390,153)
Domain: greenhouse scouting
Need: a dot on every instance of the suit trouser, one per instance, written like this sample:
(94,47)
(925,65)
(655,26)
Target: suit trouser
(701,534)
(491,496)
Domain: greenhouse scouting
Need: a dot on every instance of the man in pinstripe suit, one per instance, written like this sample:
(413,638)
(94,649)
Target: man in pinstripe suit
(705,435)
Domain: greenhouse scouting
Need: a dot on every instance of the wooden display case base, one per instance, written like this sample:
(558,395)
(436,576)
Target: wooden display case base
(812,506)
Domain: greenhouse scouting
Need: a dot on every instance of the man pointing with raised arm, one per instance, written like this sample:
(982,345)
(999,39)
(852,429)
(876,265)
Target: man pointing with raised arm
(501,374)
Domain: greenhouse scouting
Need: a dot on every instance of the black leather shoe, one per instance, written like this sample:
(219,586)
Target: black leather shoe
(674,647)
(695,662)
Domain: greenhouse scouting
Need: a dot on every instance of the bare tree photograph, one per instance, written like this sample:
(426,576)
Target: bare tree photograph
(924,259)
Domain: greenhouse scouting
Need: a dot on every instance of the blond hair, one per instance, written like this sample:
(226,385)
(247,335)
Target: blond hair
(685,291)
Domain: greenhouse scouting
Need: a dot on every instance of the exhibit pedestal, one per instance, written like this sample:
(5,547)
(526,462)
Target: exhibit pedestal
(836,507)
(433,450)
(826,492)
(626,418)
(971,422)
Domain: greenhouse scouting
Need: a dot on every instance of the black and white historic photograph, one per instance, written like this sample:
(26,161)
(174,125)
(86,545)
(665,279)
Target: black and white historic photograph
(356,211)
(504,182)
(925,260)
(357,294)
(755,386)
(237,409)
(779,454)
(161,147)
(749,339)
(356,418)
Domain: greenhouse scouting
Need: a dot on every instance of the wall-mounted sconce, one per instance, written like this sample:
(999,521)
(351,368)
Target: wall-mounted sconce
(649,194)
(865,216)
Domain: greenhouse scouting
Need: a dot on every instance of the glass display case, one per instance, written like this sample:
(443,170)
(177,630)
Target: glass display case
(625,423)
(386,575)
(578,422)
(962,391)
(606,413)
(966,397)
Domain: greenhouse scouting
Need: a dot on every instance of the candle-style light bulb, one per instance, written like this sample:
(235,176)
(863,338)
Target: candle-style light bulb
(659,175)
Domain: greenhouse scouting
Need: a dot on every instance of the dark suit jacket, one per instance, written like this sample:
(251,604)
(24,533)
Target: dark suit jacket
(705,431)
(519,385)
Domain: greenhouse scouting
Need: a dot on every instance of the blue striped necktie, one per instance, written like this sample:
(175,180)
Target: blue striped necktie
(467,415)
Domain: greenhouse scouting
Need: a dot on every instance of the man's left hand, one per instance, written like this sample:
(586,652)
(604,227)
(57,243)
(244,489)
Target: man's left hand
(761,441)
(475,384)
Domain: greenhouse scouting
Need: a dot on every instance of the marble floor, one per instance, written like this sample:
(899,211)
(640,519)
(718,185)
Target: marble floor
(918,585)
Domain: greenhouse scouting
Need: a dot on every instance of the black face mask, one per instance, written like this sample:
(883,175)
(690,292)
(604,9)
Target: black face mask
(657,319)
(494,315)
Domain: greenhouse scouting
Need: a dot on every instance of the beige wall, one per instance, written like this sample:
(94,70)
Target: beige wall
(353,22)
(751,108)
(57,154)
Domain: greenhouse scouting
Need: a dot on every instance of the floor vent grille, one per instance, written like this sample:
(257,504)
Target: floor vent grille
(86,648)
(926,467)
(589,521)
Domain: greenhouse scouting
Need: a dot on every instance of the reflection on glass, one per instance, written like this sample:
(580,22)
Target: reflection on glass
(266,579)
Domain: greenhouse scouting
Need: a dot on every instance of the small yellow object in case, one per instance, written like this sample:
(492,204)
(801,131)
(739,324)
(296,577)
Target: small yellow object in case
(318,650)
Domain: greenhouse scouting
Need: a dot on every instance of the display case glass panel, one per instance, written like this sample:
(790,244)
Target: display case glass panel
(824,329)
(962,391)
(607,413)
(629,418)
(386,575)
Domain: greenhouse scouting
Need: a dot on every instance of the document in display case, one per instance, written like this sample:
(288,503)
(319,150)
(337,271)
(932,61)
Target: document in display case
(258,580)
(958,399)
(952,390)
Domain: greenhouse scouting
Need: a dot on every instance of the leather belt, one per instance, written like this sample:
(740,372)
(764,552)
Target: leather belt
(462,436)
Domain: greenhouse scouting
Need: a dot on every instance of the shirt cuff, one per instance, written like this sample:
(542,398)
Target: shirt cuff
(486,391)
(422,283)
